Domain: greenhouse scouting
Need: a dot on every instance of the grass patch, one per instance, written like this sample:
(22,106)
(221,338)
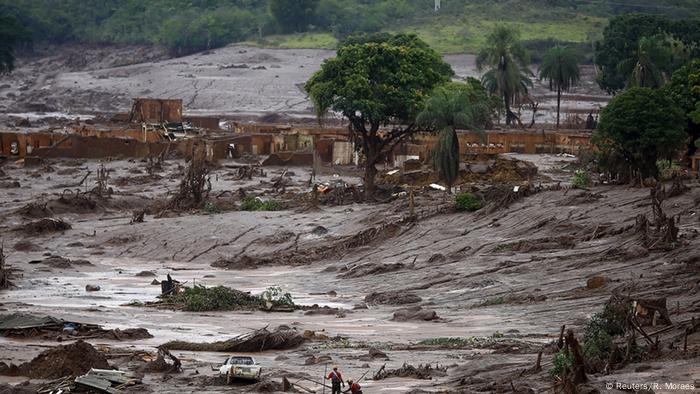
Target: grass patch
(297,41)
(468,202)
(256,204)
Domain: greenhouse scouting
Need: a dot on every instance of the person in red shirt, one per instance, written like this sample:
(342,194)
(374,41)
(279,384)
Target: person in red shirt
(354,388)
(336,379)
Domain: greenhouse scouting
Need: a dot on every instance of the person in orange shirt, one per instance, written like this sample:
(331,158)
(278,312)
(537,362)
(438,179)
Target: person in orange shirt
(336,379)
(354,388)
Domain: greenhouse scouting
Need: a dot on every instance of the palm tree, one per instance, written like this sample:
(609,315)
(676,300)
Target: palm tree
(508,75)
(560,68)
(649,65)
(449,107)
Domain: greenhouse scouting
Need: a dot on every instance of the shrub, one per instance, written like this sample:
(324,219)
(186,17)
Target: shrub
(468,202)
(561,360)
(667,169)
(219,298)
(580,179)
(211,208)
(275,296)
(257,204)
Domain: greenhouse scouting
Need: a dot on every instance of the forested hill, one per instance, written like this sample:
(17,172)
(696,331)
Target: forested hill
(186,26)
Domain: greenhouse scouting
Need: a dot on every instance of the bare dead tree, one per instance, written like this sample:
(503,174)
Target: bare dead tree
(4,272)
(195,184)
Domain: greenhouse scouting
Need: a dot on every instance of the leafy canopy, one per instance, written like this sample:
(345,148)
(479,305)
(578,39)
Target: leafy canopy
(641,126)
(621,41)
(560,68)
(450,107)
(11,34)
(506,61)
(377,82)
(293,15)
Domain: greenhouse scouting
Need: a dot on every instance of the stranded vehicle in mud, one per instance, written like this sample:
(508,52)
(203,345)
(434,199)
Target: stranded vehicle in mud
(240,367)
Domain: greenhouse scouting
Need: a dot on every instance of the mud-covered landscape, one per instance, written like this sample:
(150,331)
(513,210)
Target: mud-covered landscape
(378,290)
(258,198)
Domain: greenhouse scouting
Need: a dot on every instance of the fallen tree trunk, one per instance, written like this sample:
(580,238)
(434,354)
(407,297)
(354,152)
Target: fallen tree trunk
(260,340)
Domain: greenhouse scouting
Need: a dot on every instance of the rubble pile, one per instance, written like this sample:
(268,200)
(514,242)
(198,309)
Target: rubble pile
(66,360)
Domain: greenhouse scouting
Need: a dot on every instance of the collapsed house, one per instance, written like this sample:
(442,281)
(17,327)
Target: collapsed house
(157,126)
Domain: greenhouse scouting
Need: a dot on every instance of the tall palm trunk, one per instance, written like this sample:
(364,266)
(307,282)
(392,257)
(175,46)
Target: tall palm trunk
(558,104)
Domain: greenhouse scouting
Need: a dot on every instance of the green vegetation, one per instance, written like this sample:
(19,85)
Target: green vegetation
(11,34)
(293,16)
(562,361)
(560,68)
(275,296)
(506,62)
(375,81)
(684,89)
(598,335)
(580,179)
(200,298)
(639,127)
(468,202)
(639,50)
(186,26)
(449,107)
(221,298)
(257,204)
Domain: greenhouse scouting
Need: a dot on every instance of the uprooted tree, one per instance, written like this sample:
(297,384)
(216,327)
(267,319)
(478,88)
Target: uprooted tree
(378,82)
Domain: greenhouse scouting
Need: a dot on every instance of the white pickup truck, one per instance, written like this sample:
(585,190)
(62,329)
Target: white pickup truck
(240,367)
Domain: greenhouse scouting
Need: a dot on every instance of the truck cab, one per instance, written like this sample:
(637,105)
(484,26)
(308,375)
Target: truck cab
(240,367)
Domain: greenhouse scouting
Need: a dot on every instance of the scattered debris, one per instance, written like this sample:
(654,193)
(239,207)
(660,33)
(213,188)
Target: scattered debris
(194,186)
(61,262)
(43,226)
(21,325)
(108,381)
(425,372)
(415,313)
(394,297)
(165,362)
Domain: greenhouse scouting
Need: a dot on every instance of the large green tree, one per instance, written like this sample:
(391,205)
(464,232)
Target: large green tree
(650,64)
(684,88)
(379,85)
(450,107)
(621,41)
(506,61)
(636,129)
(11,34)
(560,68)
(293,15)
